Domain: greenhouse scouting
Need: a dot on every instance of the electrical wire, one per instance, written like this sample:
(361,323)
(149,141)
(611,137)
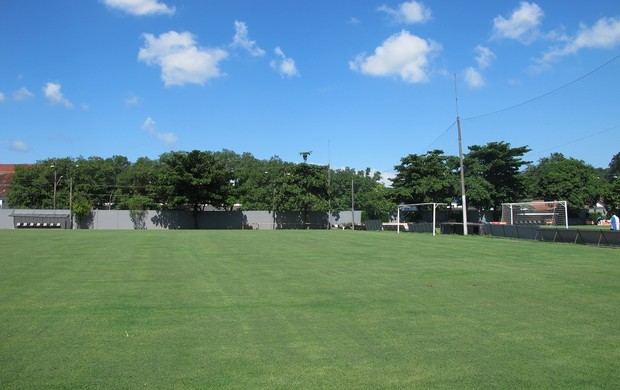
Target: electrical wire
(576,140)
(439,136)
(544,94)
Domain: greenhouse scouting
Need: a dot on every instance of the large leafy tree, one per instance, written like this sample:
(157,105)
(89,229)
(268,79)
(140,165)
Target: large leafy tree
(560,178)
(96,179)
(430,177)
(370,195)
(303,188)
(194,179)
(136,186)
(612,196)
(254,181)
(493,174)
(33,185)
(613,171)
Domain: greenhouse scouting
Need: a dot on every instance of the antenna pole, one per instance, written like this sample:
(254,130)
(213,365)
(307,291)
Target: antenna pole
(458,125)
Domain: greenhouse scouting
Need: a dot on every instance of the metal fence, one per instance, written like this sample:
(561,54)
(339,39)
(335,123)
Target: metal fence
(599,237)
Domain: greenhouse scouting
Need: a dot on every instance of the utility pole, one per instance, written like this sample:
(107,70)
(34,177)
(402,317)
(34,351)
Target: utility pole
(458,125)
(71,202)
(352,206)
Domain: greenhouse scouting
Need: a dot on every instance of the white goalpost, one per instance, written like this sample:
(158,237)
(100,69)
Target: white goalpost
(553,213)
(416,207)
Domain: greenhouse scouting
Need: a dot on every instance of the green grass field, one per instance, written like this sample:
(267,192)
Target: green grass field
(304,309)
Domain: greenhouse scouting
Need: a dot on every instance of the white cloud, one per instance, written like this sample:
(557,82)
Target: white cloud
(53,94)
(485,57)
(241,39)
(353,20)
(408,12)
(522,25)
(22,94)
(19,146)
(168,138)
(604,34)
(181,60)
(404,55)
(473,78)
(286,65)
(140,7)
(2,98)
(133,100)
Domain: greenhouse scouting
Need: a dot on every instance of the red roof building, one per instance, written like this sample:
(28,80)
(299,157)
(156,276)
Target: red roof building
(6,175)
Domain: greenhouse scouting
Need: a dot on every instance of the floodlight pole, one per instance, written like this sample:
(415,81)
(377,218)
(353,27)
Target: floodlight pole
(352,206)
(458,125)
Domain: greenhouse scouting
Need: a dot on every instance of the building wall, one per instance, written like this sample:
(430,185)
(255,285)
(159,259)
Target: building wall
(172,219)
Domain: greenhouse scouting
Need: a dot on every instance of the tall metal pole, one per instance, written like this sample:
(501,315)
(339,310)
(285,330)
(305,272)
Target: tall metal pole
(352,206)
(458,125)
(55,183)
(71,203)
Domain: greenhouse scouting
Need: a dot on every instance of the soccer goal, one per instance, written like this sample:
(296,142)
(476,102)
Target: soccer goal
(536,213)
(423,216)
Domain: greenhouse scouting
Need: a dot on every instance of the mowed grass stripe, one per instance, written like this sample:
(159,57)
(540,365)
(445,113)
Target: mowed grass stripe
(304,309)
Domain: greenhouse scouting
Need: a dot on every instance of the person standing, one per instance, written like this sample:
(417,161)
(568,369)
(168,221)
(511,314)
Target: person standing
(614,222)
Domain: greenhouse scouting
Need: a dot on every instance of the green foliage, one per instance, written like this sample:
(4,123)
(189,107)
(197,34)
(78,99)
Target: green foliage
(431,177)
(221,179)
(81,209)
(559,178)
(612,196)
(613,171)
(370,195)
(193,178)
(304,189)
(493,175)
(31,187)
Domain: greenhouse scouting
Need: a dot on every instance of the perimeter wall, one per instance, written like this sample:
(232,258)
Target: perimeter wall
(173,219)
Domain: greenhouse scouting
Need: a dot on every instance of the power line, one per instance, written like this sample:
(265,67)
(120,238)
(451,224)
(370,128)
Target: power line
(576,140)
(439,136)
(544,94)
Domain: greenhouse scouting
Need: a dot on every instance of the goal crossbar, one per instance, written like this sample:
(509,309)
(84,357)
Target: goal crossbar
(537,208)
(415,205)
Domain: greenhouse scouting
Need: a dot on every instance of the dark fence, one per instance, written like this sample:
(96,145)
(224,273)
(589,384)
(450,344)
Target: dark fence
(457,228)
(573,236)
(421,227)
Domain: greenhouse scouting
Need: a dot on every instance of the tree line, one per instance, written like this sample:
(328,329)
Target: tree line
(495,173)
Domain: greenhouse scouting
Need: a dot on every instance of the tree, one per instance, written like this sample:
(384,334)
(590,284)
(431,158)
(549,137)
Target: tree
(371,196)
(194,179)
(136,186)
(613,171)
(559,178)
(431,177)
(303,189)
(81,209)
(612,196)
(493,175)
(33,185)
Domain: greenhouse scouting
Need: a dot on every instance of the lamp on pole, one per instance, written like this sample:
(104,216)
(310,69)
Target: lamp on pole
(56,181)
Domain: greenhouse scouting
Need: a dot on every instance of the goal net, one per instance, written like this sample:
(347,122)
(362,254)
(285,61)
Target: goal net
(420,217)
(536,213)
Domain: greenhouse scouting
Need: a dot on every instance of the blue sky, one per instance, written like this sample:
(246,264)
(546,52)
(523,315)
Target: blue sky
(359,83)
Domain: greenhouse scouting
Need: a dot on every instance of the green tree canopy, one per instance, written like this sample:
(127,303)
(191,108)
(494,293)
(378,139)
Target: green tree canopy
(493,175)
(304,189)
(193,179)
(431,177)
(559,178)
